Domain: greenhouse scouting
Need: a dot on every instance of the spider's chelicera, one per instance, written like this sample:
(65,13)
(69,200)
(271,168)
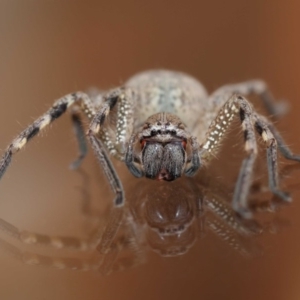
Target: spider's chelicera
(163,156)
(163,125)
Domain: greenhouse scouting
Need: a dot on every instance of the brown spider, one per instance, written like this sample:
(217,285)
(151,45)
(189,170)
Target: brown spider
(163,124)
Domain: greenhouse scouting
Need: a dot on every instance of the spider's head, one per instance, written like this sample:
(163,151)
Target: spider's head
(163,142)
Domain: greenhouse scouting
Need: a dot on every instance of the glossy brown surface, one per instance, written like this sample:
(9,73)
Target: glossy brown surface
(50,49)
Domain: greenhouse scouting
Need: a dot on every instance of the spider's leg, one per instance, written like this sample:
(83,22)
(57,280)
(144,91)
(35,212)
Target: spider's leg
(116,142)
(128,240)
(130,158)
(249,120)
(234,105)
(62,263)
(232,238)
(220,208)
(257,87)
(100,152)
(282,146)
(103,263)
(58,242)
(90,111)
(116,215)
(194,164)
(241,191)
(80,135)
(98,263)
(123,96)
(59,107)
(263,128)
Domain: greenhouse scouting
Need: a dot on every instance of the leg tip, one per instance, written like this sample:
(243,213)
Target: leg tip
(283,196)
(244,213)
(76,164)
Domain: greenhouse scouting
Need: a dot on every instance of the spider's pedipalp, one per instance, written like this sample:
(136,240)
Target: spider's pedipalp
(131,158)
(195,162)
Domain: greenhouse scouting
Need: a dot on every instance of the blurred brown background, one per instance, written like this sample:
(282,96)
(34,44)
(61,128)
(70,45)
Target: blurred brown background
(50,48)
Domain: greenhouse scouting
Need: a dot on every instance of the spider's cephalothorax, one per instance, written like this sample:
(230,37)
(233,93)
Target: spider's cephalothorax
(163,124)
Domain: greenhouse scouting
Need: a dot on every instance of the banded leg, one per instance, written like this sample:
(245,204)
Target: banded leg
(59,107)
(90,112)
(62,263)
(124,124)
(58,242)
(219,207)
(264,129)
(241,191)
(237,242)
(282,146)
(234,105)
(257,87)
(105,264)
(121,96)
(116,216)
(249,119)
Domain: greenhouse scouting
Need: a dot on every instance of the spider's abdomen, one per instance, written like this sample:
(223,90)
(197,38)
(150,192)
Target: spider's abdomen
(168,91)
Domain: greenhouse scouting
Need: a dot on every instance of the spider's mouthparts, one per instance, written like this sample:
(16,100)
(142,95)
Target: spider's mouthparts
(165,175)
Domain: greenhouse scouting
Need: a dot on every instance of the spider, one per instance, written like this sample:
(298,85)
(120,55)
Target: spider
(163,125)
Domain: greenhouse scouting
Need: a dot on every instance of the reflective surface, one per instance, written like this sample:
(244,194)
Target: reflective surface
(174,238)
(175,243)
(165,218)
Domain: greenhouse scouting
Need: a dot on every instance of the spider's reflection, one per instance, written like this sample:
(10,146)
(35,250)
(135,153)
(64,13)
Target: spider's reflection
(167,218)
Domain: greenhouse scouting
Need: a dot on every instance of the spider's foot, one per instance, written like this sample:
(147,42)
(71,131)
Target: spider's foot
(295,157)
(281,198)
(283,195)
(76,164)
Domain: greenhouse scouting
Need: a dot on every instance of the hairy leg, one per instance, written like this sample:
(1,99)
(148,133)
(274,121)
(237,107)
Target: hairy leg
(122,98)
(250,121)
(59,107)
(257,87)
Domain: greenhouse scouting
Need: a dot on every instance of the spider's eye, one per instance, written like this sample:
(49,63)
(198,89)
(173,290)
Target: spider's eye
(153,132)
